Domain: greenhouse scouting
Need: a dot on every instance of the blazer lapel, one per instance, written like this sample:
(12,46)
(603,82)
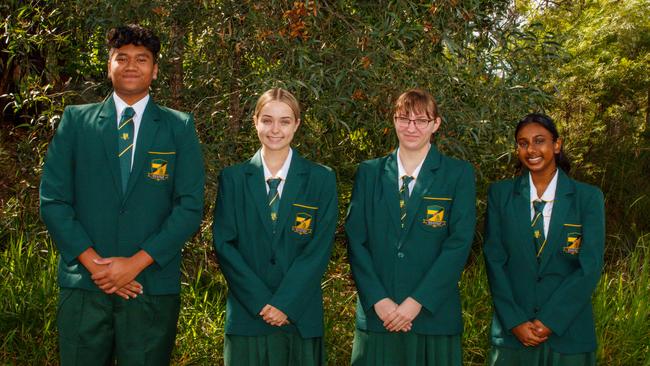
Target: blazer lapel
(425,179)
(292,186)
(146,136)
(255,184)
(561,205)
(521,215)
(108,129)
(390,191)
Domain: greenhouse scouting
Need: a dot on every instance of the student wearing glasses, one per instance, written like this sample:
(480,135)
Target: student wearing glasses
(544,243)
(410,227)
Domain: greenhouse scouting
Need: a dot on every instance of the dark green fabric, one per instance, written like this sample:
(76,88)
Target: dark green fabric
(541,355)
(557,287)
(405,349)
(82,203)
(95,328)
(284,269)
(538,227)
(125,144)
(277,349)
(426,258)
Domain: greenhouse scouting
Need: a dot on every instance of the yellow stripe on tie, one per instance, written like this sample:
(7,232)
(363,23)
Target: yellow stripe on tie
(125,150)
(541,248)
(163,152)
(273,200)
(124,123)
(304,206)
(536,217)
(437,198)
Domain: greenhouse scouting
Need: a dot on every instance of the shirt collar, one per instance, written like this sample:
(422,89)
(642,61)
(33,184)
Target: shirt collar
(549,193)
(282,173)
(402,172)
(138,107)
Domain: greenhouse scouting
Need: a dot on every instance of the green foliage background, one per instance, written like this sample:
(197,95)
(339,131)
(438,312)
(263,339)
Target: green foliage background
(487,62)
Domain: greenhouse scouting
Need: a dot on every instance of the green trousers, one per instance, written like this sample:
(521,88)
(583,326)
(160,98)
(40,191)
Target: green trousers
(99,329)
(405,349)
(541,355)
(277,349)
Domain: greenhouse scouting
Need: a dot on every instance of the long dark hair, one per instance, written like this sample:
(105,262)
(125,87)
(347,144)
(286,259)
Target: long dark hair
(545,121)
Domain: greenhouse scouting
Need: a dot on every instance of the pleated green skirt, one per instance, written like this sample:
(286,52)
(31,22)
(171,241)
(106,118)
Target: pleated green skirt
(405,349)
(541,355)
(278,349)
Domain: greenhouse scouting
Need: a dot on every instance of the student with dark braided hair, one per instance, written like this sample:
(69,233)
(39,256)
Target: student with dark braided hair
(544,243)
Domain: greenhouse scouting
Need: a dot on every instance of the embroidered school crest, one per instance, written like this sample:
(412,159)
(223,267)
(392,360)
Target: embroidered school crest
(302,224)
(573,241)
(125,136)
(435,216)
(158,170)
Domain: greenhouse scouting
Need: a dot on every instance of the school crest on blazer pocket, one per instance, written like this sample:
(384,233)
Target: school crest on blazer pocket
(158,170)
(435,216)
(573,242)
(303,223)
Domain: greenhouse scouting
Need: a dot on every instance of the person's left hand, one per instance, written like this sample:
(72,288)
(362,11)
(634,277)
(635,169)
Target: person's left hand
(540,329)
(119,271)
(402,318)
(274,316)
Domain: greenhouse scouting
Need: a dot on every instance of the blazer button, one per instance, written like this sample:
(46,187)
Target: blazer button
(400,255)
(536,310)
(272,261)
(539,279)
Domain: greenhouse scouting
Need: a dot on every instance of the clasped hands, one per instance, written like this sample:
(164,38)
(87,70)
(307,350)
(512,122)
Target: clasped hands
(532,333)
(116,275)
(397,318)
(274,316)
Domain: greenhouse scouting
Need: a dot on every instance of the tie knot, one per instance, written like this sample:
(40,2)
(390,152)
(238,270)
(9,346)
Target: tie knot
(128,112)
(406,179)
(538,205)
(274,182)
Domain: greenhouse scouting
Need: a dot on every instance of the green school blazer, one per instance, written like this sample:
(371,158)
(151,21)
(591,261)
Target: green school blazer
(82,203)
(557,288)
(285,268)
(425,259)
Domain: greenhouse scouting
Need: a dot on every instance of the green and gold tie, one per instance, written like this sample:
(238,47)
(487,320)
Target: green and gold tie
(274,199)
(125,144)
(538,226)
(404,197)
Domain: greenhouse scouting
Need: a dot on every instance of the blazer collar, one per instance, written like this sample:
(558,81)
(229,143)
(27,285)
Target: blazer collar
(561,205)
(146,136)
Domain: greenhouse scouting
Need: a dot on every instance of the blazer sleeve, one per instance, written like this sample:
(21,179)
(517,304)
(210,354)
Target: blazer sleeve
(445,273)
(306,271)
(575,292)
(496,257)
(369,286)
(57,193)
(243,283)
(187,210)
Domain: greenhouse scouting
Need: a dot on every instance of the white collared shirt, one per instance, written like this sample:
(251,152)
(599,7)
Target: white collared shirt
(282,173)
(138,108)
(401,172)
(548,196)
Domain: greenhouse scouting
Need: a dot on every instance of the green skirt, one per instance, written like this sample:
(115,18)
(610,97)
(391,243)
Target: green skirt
(277,349)
(541,355)
(405,349)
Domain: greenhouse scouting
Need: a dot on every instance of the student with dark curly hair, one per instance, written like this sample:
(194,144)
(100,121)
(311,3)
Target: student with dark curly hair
(121,192)
(544,243)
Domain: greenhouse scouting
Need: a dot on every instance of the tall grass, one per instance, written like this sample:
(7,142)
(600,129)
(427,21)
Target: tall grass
(28,297)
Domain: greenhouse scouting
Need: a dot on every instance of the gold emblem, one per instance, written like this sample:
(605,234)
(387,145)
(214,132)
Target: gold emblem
(125,136)
(537,234)
(573,241)
(302,224)
(435,216)
(158,170)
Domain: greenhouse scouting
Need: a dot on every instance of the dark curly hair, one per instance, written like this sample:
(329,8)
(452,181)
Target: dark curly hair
(135,35)
(545,121)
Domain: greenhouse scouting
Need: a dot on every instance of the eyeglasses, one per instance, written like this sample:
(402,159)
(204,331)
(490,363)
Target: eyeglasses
(419,123)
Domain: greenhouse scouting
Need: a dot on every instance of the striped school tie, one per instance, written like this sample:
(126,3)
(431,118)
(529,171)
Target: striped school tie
(404,197)
(125,144)
(274,199)
(538,226)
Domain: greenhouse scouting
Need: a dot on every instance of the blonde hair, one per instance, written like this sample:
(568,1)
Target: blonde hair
(417,100)
(281,95)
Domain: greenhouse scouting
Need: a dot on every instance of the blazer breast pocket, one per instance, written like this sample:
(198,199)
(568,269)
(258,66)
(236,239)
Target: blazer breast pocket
(572,239)
(159,166)
(303,221)
(434,213)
